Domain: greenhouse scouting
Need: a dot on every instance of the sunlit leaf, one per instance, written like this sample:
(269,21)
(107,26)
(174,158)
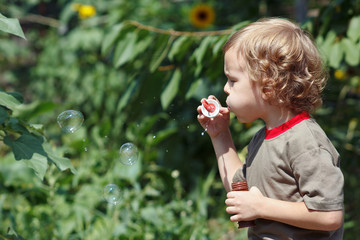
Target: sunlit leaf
(111,37)
(128,172)
(36,108)
(171,89)
(353,31)
(38,163)
(241,25)
(8,100)
(61,162)
(161,51)
(327,43)
(11,25)
(219,44)
(161,136)
(141,46)
(194,88)
(199,53)
(179,47)
(352,52)
(336,55)
(124,49)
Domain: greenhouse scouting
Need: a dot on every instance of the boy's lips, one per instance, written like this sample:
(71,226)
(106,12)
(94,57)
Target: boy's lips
(227,105)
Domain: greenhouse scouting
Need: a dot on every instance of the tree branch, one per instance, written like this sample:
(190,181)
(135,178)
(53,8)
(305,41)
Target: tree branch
(178,33)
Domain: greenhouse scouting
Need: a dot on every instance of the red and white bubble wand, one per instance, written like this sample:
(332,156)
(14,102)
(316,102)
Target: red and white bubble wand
(210,107)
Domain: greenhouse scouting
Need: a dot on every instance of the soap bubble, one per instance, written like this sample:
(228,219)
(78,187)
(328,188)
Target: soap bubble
(70,120)
(112,193)
(128,154)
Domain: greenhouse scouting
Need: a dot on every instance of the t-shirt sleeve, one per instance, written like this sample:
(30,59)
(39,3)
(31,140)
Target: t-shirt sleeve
(319,179)
(239,174)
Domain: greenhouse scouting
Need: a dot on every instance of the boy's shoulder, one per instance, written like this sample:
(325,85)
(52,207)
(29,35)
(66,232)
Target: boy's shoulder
(308,136)
(309,132)
(305,136)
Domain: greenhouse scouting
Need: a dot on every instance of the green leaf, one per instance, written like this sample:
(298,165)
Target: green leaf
(38,163)
(11,234)
(178,46)
(151,214)
(161,51)
(15,125)
(194,88)
(326,44)
(110,38)
(36,108)
(124,100)
(3,115)
(161,136)
(9,101)
(61,163)
(18,96)
(25,146)
(352,52)
(124,49)
(141,46)
(199,53)
(336,55)
(130,173)
(241,25)
(353,31)
(29,147)
(219,44)
(171,89)
(11,25)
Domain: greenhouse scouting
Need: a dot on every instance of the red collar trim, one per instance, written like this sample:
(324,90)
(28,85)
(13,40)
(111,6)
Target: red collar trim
(269,134)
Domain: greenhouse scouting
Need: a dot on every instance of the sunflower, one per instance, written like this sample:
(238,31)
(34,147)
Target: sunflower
(202,15)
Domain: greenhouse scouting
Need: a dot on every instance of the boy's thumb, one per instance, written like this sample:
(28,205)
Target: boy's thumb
(255,190)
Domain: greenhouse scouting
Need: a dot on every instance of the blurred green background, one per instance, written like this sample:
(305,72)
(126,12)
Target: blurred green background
(137,71)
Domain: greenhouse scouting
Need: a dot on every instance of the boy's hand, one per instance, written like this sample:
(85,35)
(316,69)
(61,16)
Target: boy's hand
(243,205)
(215,125)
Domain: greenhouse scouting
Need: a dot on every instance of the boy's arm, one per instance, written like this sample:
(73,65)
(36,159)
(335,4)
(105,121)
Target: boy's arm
(227,158)
(252,204)
(218,130)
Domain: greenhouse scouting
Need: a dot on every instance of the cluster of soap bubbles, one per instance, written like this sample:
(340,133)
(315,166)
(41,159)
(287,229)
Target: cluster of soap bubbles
(71,121)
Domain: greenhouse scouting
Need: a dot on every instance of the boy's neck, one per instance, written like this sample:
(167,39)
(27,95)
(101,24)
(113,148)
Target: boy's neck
(278,116)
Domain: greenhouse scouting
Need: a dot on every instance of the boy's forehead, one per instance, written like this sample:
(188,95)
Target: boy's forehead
(233,61)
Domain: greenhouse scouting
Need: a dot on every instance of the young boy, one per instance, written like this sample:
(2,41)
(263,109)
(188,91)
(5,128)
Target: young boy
(275,73)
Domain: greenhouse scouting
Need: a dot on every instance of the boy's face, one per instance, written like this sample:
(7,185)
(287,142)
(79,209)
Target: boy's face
(244,98)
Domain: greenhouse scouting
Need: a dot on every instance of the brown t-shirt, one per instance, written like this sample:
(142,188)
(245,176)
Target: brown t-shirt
(294,162)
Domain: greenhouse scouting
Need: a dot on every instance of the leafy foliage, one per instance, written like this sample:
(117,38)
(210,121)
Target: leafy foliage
(140,83)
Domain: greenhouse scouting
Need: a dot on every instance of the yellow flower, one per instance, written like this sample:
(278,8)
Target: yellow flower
(340,74)
(202,15)
(86,11)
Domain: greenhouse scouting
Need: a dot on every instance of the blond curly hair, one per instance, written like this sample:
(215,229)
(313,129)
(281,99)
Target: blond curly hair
(284,60)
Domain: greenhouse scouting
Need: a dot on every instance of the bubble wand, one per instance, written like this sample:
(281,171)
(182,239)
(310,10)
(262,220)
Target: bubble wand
(210,107)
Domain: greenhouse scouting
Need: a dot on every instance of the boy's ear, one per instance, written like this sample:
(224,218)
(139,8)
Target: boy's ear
(267,90)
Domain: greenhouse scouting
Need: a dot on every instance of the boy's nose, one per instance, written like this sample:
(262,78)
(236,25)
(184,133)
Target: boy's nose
(226,89)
